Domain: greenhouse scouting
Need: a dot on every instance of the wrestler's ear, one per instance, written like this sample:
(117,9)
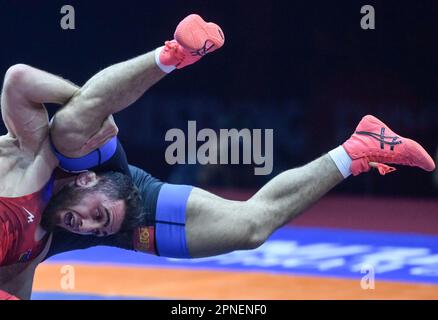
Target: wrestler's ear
(86,179)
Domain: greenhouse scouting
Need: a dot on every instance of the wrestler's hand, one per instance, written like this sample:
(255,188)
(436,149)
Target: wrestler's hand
(108,130)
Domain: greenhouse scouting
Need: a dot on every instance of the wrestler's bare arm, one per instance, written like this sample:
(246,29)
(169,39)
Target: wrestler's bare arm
(26,155)
(109,91)
(25,89)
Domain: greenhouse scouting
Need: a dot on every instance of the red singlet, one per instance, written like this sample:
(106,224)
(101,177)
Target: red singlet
(19,219)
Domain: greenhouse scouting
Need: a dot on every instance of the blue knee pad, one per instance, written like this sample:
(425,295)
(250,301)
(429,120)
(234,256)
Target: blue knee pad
(170,221)
(93,159)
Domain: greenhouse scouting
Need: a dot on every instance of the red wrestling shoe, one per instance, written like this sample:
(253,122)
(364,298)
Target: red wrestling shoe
(194,38)
(374,144)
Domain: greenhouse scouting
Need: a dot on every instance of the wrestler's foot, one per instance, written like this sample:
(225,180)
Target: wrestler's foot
(194,38)
(374,144)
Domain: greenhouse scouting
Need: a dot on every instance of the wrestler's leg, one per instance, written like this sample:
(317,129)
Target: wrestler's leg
(118,86)
(215,225)
(107,92)
(191,222)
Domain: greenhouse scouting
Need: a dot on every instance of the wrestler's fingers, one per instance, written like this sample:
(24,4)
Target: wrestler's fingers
(108,130)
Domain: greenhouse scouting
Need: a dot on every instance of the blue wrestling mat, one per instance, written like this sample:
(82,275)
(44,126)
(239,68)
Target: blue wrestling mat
(302,251)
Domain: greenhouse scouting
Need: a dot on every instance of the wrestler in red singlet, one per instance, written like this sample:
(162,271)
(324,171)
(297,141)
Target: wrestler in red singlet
(19,219)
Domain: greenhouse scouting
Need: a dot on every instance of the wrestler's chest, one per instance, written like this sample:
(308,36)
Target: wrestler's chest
(13,169)
(21,172)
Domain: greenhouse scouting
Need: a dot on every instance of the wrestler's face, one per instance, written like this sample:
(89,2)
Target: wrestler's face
(93,214)
(89,205)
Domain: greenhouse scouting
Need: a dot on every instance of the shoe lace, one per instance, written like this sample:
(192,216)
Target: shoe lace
(382,168)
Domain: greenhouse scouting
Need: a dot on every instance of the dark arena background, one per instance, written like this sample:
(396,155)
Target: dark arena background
(305,69)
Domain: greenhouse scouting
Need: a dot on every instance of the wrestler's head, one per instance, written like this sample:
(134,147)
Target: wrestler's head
(94,204)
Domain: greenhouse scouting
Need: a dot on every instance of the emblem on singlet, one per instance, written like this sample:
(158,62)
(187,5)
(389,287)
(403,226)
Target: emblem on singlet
(144,239)
(30,216)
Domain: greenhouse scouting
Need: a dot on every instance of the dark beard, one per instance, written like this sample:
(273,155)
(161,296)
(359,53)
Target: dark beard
(114,185)
(67,197)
